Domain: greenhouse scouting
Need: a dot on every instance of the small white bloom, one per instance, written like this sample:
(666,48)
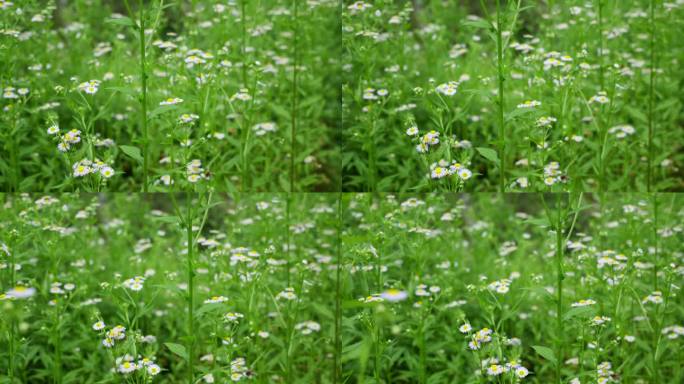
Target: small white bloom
(21,292)
(100,325)
(394,295)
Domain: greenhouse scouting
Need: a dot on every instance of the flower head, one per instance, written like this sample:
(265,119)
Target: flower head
(20,292)
(394,295)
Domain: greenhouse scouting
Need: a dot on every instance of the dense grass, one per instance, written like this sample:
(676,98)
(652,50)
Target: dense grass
(384,284)
(420,267)
(78,253)
(503,179)
(464,73)
(232,64)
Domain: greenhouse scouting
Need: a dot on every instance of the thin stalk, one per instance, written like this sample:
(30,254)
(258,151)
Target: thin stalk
(423,352)
(11,351)
(13,320)
(14,158)
(655,239)
(372,168)
(376,328)
(337,370)
(378,351)
(143,95)
(191,290)
(288,352)
(291,316)
(287,240)
(293,128)
(651,100)
(656,332)
(500,72)
(244,140)
(600,27)
(58,346)
(244,42)
(143,100)
(559,277)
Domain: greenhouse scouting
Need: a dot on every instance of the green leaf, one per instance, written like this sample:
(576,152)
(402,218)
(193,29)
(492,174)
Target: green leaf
(488,154)
(132,152)
(167,219)
(546,353)
(208,308)
(518,112)
(125,21)
(177,349)
(577,311)
(125,90)
(539,221)
(477,24)
(161,109)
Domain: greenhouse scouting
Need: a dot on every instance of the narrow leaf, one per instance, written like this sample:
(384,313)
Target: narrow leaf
(577,311)
(488,154)
(123,20)
(546,353)
(177,349)
(132,152)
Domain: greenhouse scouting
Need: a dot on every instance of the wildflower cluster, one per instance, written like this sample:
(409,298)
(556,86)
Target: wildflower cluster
(134,284)
(86,167)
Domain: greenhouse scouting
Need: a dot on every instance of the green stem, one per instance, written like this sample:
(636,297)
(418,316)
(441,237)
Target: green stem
(11,351)
(191,292)
(293,128)
(337,370)
(14,158)
(651,100)
(143,100)
(378,351)
(244,42)
(287,240)
(500,71)
(560,277)
(58,347)
(371,157)
(13,323)
(423,352)
(143,95)
(656,332)
(655,239)
(600,31)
